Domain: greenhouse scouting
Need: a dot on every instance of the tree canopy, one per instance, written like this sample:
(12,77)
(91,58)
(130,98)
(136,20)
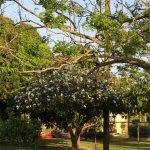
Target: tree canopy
(21,48)
(74,96)
(121,28)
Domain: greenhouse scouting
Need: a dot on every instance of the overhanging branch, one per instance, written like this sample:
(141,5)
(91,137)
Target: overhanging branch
(132,61)
(61,62)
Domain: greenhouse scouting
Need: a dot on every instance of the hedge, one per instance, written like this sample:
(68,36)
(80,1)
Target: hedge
(144,131)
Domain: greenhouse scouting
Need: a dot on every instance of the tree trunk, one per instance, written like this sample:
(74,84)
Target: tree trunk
(107,7)
(75,141)
(106,109)
(75,136)
(106,129)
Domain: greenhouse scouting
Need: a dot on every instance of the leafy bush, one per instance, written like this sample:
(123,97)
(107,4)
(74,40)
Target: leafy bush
(148,119)
(135,119)
(132,131)
(92,134)
(19,130)
(144,131)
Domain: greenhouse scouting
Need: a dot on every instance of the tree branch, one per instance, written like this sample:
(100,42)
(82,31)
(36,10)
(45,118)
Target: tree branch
(31,12)
(132,61)
(100,43)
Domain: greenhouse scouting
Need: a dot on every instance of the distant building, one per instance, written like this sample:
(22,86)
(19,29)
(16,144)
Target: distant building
(118,124)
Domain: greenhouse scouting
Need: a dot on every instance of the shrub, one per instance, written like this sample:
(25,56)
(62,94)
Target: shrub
(144,131)
(135,119)
(92,134)
(132,131)
(19,130)
(148,119)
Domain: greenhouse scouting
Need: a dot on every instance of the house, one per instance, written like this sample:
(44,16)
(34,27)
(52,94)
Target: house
(118,124)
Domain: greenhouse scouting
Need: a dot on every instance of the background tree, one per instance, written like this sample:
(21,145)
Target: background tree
(21,47)
(138,96)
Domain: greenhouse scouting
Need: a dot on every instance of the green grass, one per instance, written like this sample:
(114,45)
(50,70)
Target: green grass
(118,143)
(121,143)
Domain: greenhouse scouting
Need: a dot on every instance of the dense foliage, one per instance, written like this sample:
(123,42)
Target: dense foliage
(21,47)
(19,130)
(144,131)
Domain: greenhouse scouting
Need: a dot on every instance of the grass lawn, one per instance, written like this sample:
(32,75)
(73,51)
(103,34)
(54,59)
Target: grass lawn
(55,144)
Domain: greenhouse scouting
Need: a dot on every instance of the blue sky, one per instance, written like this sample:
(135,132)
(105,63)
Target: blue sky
(11,9)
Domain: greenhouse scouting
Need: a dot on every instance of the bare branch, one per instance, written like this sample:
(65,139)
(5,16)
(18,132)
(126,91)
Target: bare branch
(11,51)
(100,43)
(43,70)
(31,12)
(88,126)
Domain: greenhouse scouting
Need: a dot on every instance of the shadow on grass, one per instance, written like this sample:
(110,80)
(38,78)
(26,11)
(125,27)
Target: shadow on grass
(129,144)
(52,144)
(117,143)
